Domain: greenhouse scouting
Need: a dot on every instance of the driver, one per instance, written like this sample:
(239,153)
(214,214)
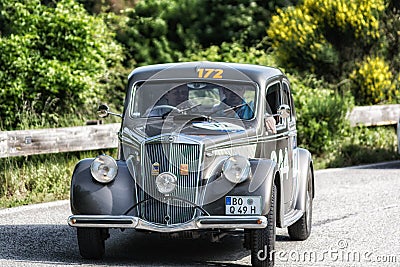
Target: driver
(234,105)
(177,97)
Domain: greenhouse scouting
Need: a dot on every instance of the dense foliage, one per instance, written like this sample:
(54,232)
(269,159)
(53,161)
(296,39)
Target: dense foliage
(157,31)
(335,40)
(60,58)
(322,36)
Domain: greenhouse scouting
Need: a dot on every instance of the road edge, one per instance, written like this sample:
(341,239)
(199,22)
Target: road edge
(30,207)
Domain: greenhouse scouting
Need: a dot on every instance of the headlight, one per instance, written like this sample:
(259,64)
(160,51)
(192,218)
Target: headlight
(236,169)
(104,169)
(166,182)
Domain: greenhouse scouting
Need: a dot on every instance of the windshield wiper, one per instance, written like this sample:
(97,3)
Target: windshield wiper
(228,109)
(234,107)
(189,108)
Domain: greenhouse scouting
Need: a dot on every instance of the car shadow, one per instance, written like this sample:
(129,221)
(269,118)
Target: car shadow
(57,245)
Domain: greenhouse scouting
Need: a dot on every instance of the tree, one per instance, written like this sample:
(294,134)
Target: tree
(57,54)
(159,31)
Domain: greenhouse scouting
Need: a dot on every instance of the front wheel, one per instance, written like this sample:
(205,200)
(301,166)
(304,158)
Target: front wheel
(262,241)
(301,229)
(91,242)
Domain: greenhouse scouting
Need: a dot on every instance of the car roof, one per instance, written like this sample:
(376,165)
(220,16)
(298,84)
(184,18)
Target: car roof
(188,70)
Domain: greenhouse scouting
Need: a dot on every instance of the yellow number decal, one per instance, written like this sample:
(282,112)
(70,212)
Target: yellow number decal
(210,73)
(200,71)
(218,74)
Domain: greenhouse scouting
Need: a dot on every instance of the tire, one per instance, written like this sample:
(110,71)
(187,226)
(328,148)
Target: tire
(91,242)
(262,241)
(301,229)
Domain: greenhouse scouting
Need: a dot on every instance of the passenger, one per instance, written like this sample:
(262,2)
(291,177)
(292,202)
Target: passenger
(234,105)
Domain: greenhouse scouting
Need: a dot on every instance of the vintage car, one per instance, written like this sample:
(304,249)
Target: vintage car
(205,149)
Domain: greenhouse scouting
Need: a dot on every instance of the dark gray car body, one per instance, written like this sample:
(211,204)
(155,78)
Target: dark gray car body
(275,158)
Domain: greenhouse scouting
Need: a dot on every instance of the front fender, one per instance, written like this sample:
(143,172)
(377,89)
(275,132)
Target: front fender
(260,184)
(305,165)
(89,197)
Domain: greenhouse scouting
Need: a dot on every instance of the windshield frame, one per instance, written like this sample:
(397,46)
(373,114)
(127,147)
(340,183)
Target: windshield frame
(179,81)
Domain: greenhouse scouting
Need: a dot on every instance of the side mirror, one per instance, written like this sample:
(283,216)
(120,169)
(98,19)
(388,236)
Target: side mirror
(284,111)
(103,111)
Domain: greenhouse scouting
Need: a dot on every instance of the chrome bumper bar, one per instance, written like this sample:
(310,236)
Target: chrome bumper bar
(202,222)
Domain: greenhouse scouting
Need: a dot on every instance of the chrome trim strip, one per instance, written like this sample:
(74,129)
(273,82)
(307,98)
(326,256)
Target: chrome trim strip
(101,221)
(249,141)
(201,222)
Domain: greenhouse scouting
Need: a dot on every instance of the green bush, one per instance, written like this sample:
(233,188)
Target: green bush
(231,52)
(362,145)
(144,33)
(160,31)
(321,114)
(58,55)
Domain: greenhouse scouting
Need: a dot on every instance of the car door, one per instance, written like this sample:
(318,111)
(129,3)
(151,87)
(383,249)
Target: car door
(268,148)
(290,167)
(277,139)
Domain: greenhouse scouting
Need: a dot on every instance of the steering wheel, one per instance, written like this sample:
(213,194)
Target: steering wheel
(167,106)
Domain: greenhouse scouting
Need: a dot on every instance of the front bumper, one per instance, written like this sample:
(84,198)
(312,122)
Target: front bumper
(202,222)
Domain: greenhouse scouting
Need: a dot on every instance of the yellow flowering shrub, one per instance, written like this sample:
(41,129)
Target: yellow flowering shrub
(310,36)
(296,39)
(372,82)
(359,16)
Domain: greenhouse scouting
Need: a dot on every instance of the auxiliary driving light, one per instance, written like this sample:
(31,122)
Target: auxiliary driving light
(236,169)
(104,169)
(166,182)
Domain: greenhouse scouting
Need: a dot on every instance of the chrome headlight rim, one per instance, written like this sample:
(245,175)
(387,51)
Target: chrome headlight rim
(236,169)
(168,180)
(104,169)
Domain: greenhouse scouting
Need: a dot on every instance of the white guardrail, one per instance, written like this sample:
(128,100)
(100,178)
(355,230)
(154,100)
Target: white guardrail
(94,137)
(44,141)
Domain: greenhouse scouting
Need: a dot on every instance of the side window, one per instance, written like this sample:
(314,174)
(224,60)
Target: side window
(273,97)
(288,100)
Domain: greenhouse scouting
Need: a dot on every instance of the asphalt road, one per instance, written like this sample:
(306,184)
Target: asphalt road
(355,223)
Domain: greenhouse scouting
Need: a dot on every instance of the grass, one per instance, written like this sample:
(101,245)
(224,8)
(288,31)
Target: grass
(361,145)
(39,178)
(42,178)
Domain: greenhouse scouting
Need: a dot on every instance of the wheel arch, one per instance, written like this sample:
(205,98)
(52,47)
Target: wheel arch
(305,164)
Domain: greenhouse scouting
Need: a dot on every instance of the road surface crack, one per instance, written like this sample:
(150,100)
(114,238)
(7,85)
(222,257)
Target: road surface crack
(335,219)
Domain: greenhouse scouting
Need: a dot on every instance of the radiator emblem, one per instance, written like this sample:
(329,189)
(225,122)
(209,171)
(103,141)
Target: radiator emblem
(155,169)
(184,169)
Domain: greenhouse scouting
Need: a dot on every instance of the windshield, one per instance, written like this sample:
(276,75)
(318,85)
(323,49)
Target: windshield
(158,99)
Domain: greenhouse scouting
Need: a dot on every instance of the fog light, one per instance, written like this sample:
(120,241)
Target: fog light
(166,182)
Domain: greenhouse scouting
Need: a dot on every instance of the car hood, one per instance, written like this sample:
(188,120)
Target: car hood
(211,134)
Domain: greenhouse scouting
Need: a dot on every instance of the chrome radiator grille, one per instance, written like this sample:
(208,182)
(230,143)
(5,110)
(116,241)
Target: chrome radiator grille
(169,157)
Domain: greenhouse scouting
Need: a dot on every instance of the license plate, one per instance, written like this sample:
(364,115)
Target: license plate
(243,205)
